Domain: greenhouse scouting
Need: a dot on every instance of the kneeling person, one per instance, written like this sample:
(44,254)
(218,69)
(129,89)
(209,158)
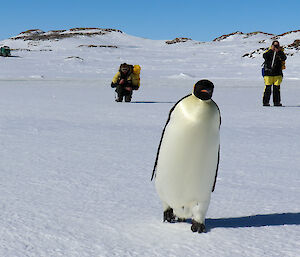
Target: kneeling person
(126,80)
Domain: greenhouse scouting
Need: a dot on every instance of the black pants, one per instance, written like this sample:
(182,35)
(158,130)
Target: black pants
(122,92)
(268,92)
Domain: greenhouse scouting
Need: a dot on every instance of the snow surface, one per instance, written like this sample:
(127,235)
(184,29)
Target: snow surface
(76,166)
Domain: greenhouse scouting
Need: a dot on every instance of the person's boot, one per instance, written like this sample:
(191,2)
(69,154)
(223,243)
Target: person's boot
(127,98)
(119,99)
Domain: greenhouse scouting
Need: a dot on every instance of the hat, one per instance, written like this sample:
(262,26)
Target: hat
(124,67)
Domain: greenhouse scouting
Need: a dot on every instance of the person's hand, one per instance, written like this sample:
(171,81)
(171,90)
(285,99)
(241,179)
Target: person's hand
(128,88)
(122,81)
(276,47)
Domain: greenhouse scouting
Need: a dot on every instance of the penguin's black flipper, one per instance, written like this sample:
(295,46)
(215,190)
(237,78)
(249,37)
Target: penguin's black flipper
(213,189)
(162,135)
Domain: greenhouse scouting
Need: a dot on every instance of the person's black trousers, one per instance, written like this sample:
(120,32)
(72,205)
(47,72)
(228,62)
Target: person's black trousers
(122,92)
(268,92)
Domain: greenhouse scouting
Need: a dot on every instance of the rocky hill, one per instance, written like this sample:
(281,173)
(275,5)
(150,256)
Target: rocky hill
(92,52)
(34,38)
(289,40)
(37,34)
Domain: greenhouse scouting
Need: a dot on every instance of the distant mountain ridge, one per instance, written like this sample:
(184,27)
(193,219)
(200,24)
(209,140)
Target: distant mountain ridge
(274,36)
(92,52)
(38,40)
(241,33)
(289,40)
(37,34)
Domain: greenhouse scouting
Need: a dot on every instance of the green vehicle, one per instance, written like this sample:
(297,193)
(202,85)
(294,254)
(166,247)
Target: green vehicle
(5,51)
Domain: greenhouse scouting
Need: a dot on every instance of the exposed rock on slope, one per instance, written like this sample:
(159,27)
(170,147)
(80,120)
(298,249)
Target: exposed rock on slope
(36,34)
(93,46)
(246,35)
(290,50)
(178,40)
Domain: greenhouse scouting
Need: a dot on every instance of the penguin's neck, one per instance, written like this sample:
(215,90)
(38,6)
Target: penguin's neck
(205,101)
(202,101)
(192,108)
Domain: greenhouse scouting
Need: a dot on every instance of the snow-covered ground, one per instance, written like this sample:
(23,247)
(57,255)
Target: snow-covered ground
(76,166)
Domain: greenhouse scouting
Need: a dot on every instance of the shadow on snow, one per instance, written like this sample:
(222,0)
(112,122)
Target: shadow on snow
(276,219)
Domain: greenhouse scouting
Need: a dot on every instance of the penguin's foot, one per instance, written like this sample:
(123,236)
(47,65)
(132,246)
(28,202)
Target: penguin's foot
(198,227)
(169,215)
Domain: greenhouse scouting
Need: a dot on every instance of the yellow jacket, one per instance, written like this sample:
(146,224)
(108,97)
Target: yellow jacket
(133,78)
(117,78)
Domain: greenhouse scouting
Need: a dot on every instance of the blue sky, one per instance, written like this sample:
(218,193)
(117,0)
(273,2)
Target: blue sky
(154,19)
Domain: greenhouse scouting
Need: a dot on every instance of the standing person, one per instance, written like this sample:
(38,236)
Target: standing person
(274,63)
(122,81)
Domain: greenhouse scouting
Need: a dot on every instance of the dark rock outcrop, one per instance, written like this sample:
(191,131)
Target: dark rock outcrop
(178,40)
(36,34)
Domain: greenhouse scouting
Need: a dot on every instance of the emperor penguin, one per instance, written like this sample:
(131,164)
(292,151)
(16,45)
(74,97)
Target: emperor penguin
(188,155)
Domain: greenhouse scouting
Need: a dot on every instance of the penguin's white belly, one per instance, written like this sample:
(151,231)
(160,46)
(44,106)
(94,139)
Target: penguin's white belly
(188,155)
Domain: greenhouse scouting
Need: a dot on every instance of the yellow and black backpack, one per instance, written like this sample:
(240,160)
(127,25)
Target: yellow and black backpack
(136,71)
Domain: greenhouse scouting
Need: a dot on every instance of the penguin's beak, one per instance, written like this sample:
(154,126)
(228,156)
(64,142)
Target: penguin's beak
(204,94)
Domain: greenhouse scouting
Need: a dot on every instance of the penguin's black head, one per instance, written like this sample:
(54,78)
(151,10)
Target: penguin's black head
(203,89)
